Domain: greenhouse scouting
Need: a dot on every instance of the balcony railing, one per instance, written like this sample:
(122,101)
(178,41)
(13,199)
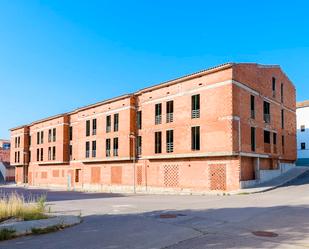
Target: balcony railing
(115,152)
(158,119)
(169,147)
(195,113)
(267,118)
(94,153)
(253,114)
(108,153)
(267,148)
(169,117)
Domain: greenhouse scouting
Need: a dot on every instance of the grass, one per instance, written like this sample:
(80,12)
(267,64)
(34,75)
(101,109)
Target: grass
(6,234)
(15,206)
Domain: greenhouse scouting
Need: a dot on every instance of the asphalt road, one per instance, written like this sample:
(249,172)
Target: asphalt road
(135,221)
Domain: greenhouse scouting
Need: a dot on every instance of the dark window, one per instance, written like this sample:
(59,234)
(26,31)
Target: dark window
(274,86)
(87,149)
(139,145)
(139,120)
(70,151)
(94,148)
(15,159)
(49,153)
(266,111)
(266,137)
(38,154)
(195,138)
(49,135)
(18,156)
(275,138)
(77,173)
(107,147)
(15,143)
(116,122)
(108,123)
(302,128)
(282,143)
(195,106)
(115,146)
(29,155)
(158,113)
(42,158)
(38,137)
(169,111)
(71,133)
(281,92)
(252,106)
(169,141)
(282,119)
(252,138)
(87,128)
(54,152)
(94,126)
(42,137)
(18,141)
(54,135)
(29,140)
(302,146)
(158,142)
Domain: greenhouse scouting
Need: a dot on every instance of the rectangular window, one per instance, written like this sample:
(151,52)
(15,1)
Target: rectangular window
(38,154)
(71,133)
(49,153)
(302,146)
(274,86)
(252,106)
(38,137)
(42,157)
(94,126)
(18,142)
(282,119)
(77,173)
(87,128)
(94,148)
(158,113)
(108,147)
(87,149)
(195,138)
(139,120)
(54,135)
(266,111)
(275,138)
(108,123)
(70,152)
(169,141)
(42,137)
(252,138)
(29,140)
(281,92)
(54,152)
(49,135)
(302,128)
(15,142)
(158,142)
(266,137)
(115,146)
(139,145)
(195,106)
(116,122)
(282,144)
(29,155)
(169,111)
(18,156)
(15,159)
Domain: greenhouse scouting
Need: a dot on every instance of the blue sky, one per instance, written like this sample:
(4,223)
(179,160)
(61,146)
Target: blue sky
(58,55)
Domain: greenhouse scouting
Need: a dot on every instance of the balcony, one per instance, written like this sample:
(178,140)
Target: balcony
(195,113)
(158,119)
(169,117)
(169,147)
(267,118)
(267,148)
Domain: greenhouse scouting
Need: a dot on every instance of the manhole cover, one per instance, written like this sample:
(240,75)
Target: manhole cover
(264,234)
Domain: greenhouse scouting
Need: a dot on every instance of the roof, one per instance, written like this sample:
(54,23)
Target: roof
(302,104)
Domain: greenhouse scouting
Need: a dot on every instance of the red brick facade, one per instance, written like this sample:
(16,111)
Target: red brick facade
(217,159)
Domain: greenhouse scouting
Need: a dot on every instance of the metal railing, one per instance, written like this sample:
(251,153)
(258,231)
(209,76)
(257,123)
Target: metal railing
(195,113)
(267,118)
(169,147)
(169,117)
(158,119)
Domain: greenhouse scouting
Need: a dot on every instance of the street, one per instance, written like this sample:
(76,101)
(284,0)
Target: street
(170,221)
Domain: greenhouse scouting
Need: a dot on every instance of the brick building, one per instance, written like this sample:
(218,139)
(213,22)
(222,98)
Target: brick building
(217,129)
(7,171)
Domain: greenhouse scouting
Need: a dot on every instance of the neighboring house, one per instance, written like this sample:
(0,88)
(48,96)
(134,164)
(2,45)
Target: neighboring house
(7,172)
(302,114)
(222,128)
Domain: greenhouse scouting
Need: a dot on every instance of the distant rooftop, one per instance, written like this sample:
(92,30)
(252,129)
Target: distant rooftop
(302,104)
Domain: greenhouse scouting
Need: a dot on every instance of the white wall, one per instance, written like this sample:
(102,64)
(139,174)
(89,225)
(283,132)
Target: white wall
(302,115)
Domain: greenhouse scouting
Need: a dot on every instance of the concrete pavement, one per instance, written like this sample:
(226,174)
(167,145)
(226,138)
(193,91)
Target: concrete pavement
(127,221)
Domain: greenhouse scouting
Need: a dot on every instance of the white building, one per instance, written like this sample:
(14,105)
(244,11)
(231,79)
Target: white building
(302,113)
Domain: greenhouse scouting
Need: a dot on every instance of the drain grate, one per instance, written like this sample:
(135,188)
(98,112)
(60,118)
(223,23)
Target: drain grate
(265,234)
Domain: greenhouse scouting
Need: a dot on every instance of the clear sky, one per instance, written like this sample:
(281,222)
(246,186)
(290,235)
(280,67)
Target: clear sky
(58,55)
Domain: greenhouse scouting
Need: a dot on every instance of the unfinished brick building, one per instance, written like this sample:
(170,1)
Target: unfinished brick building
(218,129)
